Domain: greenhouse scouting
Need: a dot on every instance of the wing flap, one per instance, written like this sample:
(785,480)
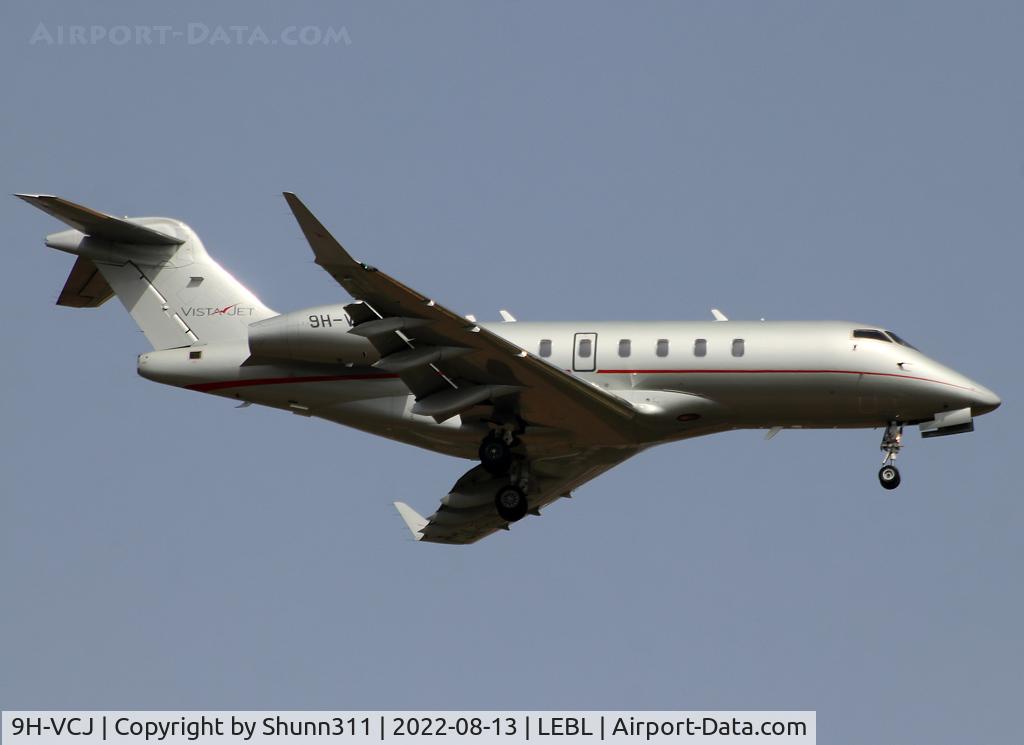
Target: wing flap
(450,402)
(418,357)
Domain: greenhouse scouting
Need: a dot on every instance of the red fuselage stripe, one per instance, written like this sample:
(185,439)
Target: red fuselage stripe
(222,384)
(783,372)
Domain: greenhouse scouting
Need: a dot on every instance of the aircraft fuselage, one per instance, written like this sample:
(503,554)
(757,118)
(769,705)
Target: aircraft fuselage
(685,379)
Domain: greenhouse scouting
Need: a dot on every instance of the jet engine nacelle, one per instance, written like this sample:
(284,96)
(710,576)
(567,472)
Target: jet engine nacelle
(318,334)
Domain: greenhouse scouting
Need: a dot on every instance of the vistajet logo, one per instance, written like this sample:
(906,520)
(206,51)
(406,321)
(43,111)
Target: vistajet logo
(190,311)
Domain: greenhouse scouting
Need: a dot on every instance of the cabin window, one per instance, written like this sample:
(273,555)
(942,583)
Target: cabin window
(545,348)
(196,354)
(737,347)
(625,347)
(586,348)
(870,334)
(700,347)
(661,348)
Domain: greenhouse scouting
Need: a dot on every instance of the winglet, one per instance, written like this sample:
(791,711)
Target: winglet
(719,315)
(413,520)
(326,249)
(506,316)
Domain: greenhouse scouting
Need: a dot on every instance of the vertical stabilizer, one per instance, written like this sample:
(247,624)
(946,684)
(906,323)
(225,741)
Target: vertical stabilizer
(159,270)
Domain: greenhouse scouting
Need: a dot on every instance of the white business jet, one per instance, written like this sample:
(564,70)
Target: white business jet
(543,407)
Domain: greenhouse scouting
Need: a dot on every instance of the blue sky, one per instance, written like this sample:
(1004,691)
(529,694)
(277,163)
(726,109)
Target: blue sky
(862,161)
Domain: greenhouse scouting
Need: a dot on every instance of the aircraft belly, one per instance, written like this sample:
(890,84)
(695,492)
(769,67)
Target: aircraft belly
(759,399)
(392,417)
(311,396)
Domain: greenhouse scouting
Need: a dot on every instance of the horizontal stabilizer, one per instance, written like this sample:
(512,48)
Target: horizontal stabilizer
(85,286)
(413,520)
(97,224)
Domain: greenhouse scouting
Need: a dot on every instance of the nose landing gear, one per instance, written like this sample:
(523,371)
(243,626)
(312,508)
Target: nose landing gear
(888,474)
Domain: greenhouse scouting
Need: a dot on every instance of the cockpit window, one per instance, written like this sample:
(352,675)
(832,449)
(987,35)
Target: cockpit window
(870,334)
(900,340)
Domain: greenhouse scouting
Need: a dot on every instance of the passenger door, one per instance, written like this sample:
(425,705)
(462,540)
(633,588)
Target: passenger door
(584,353)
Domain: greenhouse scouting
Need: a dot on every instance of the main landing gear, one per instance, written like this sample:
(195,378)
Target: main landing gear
(496,451)
(497,458)
(511,503)
(888,474)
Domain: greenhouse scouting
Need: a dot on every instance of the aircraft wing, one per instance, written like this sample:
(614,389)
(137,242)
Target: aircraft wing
(467,512)
(450,363)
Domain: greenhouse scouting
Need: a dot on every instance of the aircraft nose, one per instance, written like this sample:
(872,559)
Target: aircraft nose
(984,400)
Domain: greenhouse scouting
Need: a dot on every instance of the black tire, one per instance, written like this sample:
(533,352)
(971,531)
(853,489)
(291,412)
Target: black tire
(889,477)
(511,504)
(495,455)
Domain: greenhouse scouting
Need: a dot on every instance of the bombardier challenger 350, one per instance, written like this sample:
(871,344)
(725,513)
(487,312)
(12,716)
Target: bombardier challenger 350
(543,407)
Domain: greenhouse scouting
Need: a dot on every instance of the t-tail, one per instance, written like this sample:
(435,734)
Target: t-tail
(159,270)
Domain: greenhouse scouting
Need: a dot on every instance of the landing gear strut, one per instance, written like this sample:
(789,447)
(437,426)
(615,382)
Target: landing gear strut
(496,452)
(888,474)
(497,458)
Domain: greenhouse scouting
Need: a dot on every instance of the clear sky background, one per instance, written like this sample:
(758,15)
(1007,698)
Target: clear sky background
(815,160)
